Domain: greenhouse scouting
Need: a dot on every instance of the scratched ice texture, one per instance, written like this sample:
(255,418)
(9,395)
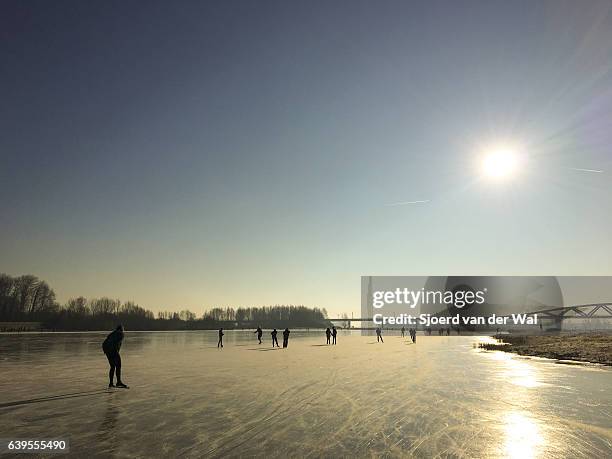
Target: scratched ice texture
(439,397)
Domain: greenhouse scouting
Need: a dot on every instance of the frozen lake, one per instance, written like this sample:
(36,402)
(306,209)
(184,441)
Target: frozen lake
(359,398)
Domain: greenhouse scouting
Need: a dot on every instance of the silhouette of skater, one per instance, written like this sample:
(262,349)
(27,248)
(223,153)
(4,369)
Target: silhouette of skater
(286,337)
(448,332)
(220,343)
(379,335)
(403,331)
(259,334)
(274,338)
(111,347)
(413,335)
(334,333)
(328,334)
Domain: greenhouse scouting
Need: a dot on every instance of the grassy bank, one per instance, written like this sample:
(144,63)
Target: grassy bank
(595,348)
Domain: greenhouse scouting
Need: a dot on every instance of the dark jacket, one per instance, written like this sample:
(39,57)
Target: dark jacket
(112,343)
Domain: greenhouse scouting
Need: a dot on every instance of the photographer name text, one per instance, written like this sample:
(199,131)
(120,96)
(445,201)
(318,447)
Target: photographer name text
(428,319)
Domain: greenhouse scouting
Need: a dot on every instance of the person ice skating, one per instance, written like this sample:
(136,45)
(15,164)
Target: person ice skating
(111,347)
(328,334)
(413,336)
(379,335)
(274,338)
(220,343)
(334,334)
(403,331)
(286,337)
(259,334)
(448,332)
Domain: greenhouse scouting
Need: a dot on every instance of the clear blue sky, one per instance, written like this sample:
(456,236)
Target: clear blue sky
(199,154)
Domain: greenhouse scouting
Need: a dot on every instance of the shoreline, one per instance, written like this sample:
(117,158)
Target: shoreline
(592,348)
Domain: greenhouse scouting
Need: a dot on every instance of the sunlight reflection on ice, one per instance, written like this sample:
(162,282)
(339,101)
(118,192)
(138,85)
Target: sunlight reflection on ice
(523,435)
(516,371)
(520,373)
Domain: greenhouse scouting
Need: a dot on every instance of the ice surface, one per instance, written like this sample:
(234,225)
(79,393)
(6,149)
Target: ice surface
(440,397)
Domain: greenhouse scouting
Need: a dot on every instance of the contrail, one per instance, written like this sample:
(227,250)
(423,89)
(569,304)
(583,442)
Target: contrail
(405,203)
(586,170)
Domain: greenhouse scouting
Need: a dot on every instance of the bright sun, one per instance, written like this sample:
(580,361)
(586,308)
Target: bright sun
(500,163)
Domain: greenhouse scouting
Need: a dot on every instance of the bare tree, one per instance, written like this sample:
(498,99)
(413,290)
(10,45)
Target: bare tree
(78,306)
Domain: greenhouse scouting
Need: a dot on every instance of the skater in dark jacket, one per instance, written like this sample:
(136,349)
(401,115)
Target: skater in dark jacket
(220,342)
(274,338)
(328,334)
(286,337)
(259,334)
(111,347)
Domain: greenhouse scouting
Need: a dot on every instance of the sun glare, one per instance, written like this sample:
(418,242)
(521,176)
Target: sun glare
(500,163)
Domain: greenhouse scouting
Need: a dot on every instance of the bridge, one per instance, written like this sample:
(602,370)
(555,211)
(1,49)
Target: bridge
(581,311)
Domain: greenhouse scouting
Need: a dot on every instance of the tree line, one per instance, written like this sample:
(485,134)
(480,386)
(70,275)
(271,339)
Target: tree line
(29,299)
